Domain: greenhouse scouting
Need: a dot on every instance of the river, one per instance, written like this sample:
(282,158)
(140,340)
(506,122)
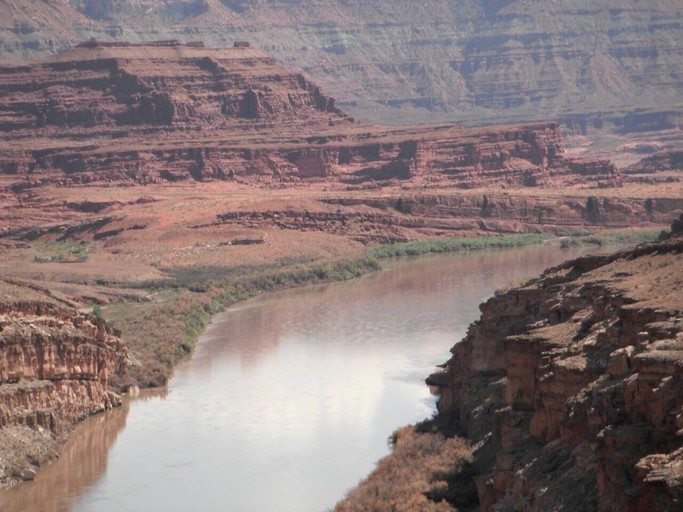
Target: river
(289,398)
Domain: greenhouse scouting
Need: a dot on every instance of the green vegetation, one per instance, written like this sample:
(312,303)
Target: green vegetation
(576,232)
(97,310)
(616,237)
(163,331)
(456,244)
(159,334)
(61,252)
(278,279)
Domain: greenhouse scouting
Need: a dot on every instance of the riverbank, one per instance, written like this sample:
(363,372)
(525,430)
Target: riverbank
(175,198)
(330,371)
(164,330)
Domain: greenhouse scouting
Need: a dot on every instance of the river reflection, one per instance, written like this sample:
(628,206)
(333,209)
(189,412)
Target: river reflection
(85,456)
(289,398)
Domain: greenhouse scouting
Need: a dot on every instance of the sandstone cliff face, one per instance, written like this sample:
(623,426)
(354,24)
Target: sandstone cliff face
(662,167)
(54,368)
(605,64)
(116,112)
(570,387)
(164,83)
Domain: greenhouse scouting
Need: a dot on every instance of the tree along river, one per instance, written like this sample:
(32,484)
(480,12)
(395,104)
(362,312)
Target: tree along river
(289,398)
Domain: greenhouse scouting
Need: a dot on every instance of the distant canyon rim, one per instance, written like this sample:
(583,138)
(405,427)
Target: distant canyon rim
(608,68)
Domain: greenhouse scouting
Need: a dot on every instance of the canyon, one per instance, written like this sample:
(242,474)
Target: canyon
(100,121)
(153,184)
(566,391)
(167,111)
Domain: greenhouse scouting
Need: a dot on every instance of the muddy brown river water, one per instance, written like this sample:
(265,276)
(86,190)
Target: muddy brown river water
(289,399)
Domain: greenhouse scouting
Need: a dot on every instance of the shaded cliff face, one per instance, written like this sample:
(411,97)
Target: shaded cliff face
(570,386)
(54,369)
(605,64)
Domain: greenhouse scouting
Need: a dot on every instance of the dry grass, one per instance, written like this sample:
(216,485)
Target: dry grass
(158,334)
(415,477)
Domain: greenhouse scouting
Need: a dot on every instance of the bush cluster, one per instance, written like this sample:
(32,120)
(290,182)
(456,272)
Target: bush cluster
(422,474)
(456,244)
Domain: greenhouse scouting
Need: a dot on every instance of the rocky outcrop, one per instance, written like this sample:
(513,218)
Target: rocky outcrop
(515,156)
(109,85)
(54,367)
(413,216)
(570,387)
(168,112)
(664,165)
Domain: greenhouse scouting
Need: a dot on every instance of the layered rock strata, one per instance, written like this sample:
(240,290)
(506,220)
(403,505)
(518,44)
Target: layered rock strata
(410,216)
(168,112)
(607,64)
(109,85)
(569,387)
(367,218)
(54,368)
(662,167)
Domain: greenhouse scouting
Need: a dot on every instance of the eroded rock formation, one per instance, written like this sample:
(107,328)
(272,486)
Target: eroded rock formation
(410,216)
(165,83)
(662,167)
(570,387)
(54,368)
(168,112)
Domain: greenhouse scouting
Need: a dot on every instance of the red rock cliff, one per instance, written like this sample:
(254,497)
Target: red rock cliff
(570,387)
(54,366)
(106,112)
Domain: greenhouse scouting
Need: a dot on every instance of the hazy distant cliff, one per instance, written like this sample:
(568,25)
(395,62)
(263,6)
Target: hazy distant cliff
(471,60)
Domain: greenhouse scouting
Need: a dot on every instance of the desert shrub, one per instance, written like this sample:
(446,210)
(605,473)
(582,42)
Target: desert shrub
(455,244)
(415,477)
(159,333)
(576,232)
(277,279)
(61,252)
(616,237)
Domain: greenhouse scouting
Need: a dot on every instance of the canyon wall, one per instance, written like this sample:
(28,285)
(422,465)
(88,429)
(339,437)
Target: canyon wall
(168,112)
(528,155)
(609,64)
(55,365)
(107,115)
(111,85)
(569,387)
